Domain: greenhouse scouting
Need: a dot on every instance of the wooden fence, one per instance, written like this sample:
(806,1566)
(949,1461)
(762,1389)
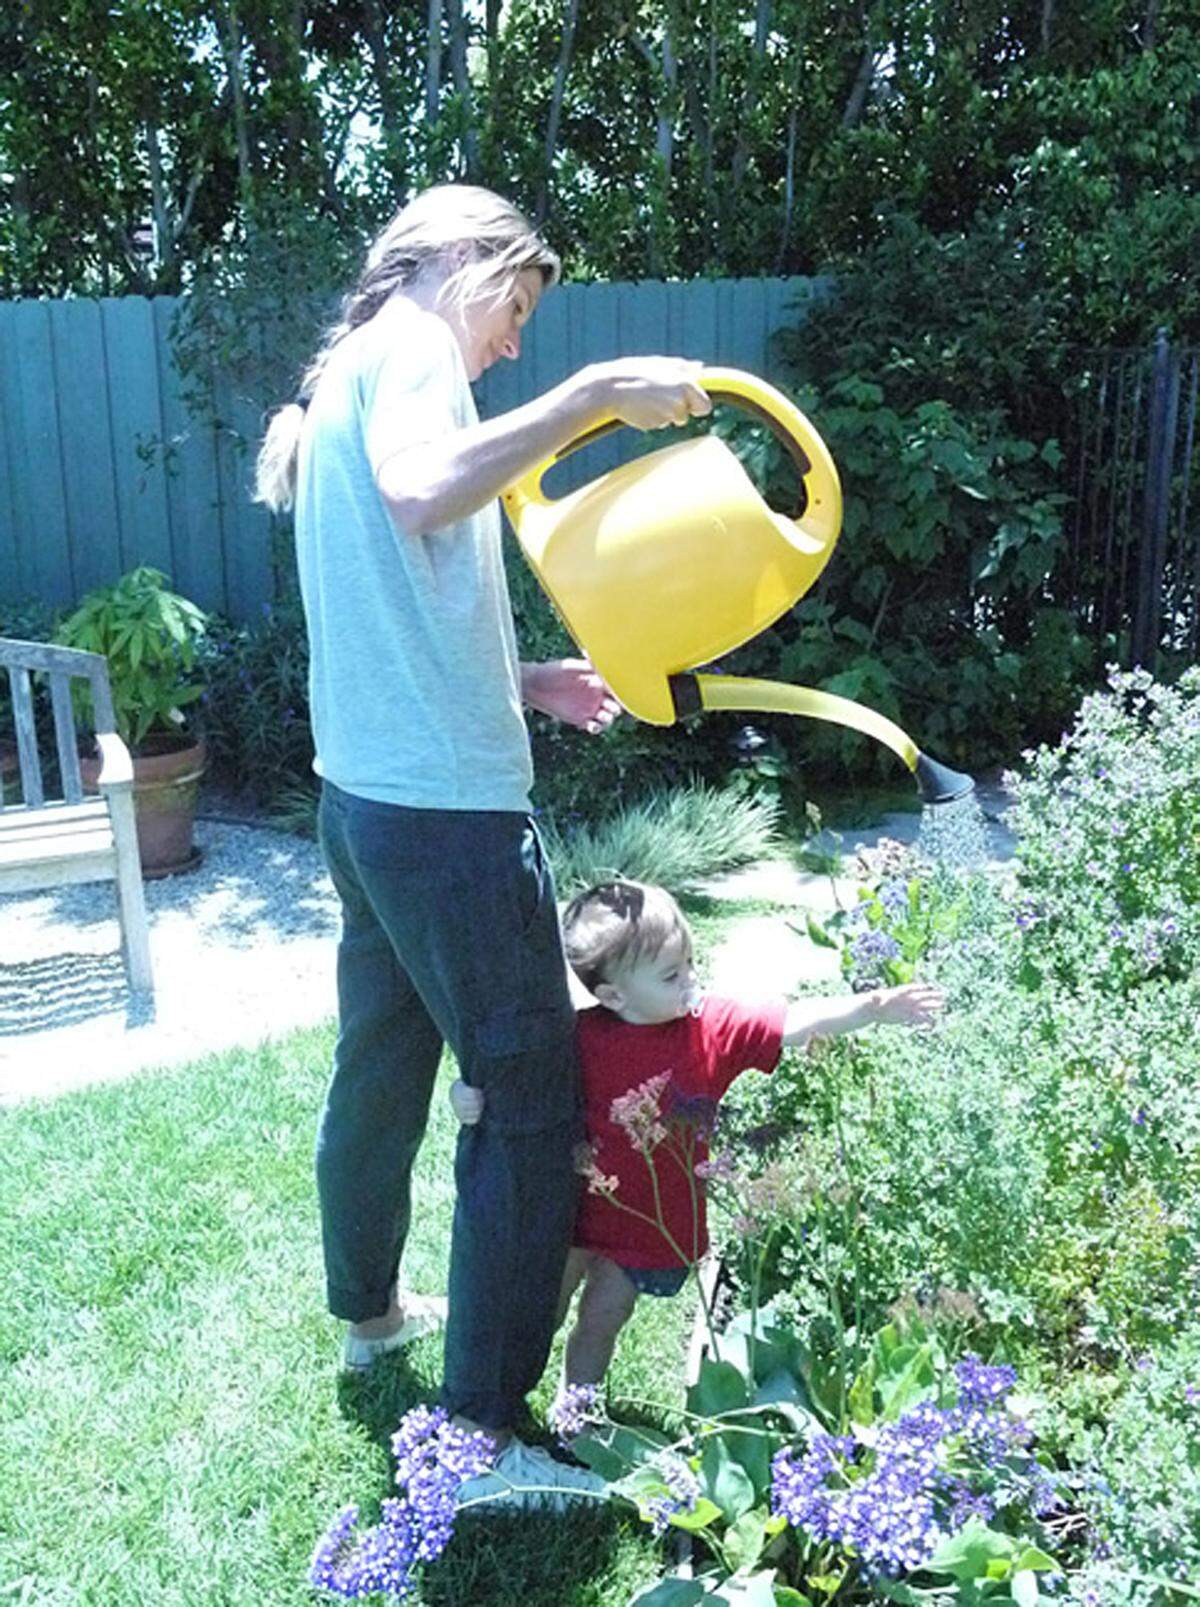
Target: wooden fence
(102,466)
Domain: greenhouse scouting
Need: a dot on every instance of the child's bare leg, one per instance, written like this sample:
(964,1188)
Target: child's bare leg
(574,1273)
(605,1307)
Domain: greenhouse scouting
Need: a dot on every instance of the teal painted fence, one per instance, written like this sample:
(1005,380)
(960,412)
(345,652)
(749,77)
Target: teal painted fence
(102,467)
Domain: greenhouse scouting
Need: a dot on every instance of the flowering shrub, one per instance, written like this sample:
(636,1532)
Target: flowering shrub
(904,912)
(892,1502)
(922,1470)
(1109,828)
(1141,1485)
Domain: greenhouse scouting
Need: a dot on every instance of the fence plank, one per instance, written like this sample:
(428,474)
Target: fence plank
(12,508)
(45,558)
(93,518)
(144,521)
(190,472)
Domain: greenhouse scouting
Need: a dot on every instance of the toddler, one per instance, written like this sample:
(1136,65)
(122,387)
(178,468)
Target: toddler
(655,1058)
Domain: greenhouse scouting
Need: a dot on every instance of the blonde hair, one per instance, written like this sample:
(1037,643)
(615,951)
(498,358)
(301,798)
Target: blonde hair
(618,924)
(478,240)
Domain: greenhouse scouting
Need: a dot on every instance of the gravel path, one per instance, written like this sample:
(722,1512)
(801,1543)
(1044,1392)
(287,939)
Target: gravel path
(243,948)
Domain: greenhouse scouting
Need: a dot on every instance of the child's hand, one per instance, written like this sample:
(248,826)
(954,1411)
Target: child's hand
(916,1004)
(466,1102)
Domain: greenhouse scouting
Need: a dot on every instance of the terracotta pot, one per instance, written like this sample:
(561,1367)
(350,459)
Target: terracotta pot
(166,777)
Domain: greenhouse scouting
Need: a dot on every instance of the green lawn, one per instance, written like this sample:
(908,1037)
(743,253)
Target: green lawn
(175,1428)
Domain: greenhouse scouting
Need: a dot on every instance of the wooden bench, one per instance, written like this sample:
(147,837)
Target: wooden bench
(50,842)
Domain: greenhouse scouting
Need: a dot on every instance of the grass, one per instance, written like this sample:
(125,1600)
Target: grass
(175,1430)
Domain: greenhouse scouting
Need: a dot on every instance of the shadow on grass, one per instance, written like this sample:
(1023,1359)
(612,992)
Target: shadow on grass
(580,1558)
(378,1399)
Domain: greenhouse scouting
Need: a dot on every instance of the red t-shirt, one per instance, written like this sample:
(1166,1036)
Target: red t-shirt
(696,1059)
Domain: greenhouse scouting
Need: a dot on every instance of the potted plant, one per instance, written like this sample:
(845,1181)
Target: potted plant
(149,634)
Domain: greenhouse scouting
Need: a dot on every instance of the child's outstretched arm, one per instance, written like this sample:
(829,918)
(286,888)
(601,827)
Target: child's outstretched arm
(466,1102)
(916,1004)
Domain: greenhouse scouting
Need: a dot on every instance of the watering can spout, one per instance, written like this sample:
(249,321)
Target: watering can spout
(937,783)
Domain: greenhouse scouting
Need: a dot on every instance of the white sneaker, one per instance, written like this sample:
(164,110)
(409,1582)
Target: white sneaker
(423,1314)
(527,1476)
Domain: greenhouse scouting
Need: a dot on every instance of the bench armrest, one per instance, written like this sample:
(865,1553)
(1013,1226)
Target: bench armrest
(116,767)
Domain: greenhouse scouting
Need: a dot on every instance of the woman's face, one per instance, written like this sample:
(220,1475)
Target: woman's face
(486,332)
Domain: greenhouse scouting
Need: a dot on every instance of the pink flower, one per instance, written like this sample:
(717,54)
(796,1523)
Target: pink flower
(638,1113)
(589,1170)
(720,1169)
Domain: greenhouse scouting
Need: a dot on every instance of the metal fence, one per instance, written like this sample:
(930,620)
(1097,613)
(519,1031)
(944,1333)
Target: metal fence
(1132,571)
(102,467)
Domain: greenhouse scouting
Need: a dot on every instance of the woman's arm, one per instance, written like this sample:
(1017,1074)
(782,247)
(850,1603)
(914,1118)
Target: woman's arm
(434,483)
(917,1004)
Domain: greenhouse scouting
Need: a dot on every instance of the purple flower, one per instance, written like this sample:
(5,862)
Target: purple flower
(981,1385)
(433,1457)
(890,1504)
(576,1407)
(683,1491)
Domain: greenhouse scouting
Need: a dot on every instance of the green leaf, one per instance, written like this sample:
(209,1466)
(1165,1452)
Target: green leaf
(967,1554)
(701,1515)
(758,1590)
(818,934)
(744,1540)
(719,1388)
(724,1480)
(671,1593)
(785,1596)
(1024,1588)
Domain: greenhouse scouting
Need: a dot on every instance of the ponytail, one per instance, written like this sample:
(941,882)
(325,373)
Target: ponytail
(275,471)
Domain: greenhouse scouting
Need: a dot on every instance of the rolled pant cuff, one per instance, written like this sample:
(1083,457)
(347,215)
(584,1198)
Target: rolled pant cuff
(353,1305)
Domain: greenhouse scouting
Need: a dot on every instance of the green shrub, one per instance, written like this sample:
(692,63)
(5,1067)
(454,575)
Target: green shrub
(1142,1490)
(1109,828)
(255,703)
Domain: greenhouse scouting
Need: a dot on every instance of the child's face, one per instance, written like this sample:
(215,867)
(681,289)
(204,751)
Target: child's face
(653,990)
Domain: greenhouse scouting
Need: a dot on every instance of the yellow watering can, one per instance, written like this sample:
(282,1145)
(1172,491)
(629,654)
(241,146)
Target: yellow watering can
(674,559)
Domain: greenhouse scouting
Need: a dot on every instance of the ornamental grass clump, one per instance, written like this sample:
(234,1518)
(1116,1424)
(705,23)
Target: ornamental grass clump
(1109,829)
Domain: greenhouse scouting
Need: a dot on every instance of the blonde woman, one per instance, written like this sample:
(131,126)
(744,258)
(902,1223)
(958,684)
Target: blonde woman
(450,933)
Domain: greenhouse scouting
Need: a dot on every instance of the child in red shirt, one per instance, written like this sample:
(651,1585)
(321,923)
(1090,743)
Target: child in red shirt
(655,1059)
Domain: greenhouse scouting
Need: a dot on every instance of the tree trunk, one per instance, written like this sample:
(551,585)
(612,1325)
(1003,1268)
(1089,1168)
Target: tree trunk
(433,62)
(1048,7)
(789,190)
(229,40)
(562,67)
(741,151)
(1150,24)
(462,84)
(856,103)
(375,34)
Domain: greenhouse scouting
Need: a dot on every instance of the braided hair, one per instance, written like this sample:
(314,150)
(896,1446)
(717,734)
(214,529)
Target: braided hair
(484,242)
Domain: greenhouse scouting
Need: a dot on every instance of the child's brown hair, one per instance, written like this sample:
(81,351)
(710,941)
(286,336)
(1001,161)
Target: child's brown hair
(617,924)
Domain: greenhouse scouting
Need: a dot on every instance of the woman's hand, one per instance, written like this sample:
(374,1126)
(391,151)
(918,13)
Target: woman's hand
(570,690)
(466,1102)
(650,392)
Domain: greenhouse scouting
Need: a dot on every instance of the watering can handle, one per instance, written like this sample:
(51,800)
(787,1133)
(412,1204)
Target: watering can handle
(763,402)
(770,407)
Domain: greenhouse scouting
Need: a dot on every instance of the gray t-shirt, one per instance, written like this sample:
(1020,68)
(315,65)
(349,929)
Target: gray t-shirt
(413,681)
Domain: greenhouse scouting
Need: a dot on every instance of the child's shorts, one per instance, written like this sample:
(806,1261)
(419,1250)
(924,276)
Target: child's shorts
(656,1280)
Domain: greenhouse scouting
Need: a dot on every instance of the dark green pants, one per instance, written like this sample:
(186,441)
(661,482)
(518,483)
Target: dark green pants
(450,934)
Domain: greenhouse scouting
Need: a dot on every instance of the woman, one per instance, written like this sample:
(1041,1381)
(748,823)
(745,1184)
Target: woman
(450,931)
